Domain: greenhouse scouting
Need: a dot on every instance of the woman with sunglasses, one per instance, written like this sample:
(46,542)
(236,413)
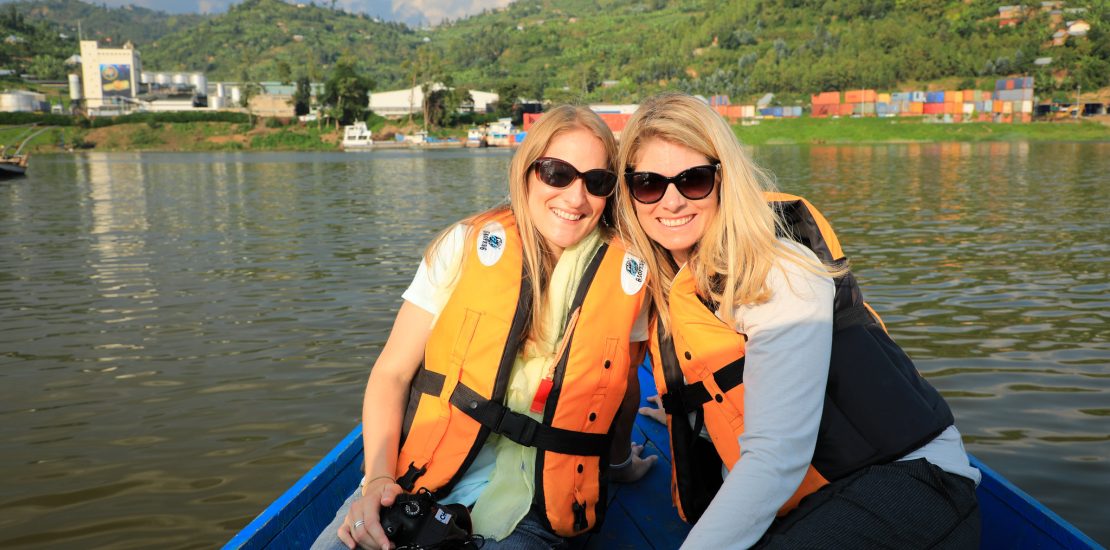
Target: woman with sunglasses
(500,384)
(782,392)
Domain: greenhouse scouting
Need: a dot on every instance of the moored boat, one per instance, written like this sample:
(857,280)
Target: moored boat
(640,514)
(13,166)
(357,137)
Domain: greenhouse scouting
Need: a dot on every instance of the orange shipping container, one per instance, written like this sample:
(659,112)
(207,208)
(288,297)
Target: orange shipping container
(826,98)
(953,97)
(822,110)
(860,96)
(917,107)
(953,108)
(983,117)
(733,112)
(845,109)
(1025,117)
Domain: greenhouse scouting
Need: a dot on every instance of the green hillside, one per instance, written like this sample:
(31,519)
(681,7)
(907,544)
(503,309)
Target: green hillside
(115,25)
(621,50)
(258,37)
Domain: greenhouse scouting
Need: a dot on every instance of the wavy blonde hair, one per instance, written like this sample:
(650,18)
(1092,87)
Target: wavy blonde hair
(539,259)
(731,260)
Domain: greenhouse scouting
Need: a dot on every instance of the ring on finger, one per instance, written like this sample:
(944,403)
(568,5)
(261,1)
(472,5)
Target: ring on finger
(359,523)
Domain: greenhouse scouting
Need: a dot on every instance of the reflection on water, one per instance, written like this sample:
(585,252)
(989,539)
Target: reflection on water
(181,336)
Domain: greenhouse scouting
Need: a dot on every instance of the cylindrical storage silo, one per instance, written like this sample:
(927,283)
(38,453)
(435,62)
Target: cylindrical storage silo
(161,79)
(74,87)
(220,89)
(200,83)
(235,96)
(180,80)
(145,77)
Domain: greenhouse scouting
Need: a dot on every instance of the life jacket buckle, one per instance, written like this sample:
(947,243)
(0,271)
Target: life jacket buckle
(408,481)
(580,521)
(517,427)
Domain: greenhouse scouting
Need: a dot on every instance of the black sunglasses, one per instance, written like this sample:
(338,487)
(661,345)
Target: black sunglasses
(693,183)
(560,173)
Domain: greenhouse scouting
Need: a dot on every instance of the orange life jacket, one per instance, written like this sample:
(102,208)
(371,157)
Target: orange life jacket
(877,407)
(458,394)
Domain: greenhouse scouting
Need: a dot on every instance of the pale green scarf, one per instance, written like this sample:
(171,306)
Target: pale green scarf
(508,497)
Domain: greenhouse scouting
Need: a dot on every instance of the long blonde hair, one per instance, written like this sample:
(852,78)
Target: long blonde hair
(539,259)
(731,260)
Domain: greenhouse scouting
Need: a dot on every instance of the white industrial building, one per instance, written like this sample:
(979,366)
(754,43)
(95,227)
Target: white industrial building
(109,77)
(22,101)
(397,103)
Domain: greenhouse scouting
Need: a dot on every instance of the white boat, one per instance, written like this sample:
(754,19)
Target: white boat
(357,137)
(500,133)
(476,137)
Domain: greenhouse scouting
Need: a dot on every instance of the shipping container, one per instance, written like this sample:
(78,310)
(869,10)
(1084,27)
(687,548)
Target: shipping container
(969,108)
(615,121)
(1027,107)
(897,97)
(747,111)
(933,108)
(1007,107)
(953,97)
(918,97)
(934,97)
(953,108)
(823,110)
(826,98)
(845,109)
(967,95)
(1027,83)
(984,117)
(882,98)
(860,96)
(1025,118)
(917,107)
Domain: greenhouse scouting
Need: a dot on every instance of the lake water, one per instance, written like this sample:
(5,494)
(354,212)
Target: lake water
(183,335)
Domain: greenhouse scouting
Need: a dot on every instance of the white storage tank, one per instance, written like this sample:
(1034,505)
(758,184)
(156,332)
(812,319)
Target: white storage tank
(235,96)
(220,89)
(74,87)
(162,79)
(200,83)
(145,77)
(180,79)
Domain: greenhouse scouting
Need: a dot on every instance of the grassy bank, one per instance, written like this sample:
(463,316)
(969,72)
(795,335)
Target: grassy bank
(893,130)
(270,136)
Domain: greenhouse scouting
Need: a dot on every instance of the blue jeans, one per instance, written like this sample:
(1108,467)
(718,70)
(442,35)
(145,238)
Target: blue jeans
(529,534)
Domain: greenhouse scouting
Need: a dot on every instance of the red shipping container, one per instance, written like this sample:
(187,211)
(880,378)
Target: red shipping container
(957,118)
(822,110)
(530,119)
(1006,119)
(983,117)
(933,108)
(845,109)
(1025,118)
(615,121)
(1009,84)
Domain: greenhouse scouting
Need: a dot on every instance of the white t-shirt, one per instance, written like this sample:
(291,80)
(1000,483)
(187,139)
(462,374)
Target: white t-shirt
(786,360)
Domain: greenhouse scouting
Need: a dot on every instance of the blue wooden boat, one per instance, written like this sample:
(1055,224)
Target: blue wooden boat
(640,514)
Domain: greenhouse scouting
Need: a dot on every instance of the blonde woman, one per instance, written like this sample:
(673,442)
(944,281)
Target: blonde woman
(810,411)
(501,381)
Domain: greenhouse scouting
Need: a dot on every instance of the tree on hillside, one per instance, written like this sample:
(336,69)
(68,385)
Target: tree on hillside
(302,96)
(346,93)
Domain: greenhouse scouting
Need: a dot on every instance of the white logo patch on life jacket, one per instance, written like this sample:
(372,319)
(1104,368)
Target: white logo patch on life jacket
(633,274)
(491,243)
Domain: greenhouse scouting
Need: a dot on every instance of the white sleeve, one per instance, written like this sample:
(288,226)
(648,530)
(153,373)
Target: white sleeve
(432,285)
(785,370)
(640,325)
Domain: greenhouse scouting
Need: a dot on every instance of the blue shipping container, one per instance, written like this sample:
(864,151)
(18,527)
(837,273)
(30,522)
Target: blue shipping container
(934,97)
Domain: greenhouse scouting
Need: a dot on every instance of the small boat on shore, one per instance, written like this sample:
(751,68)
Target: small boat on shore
(13,166)
(357,137)
(640,515)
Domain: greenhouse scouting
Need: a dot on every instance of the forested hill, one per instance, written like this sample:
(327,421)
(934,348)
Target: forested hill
(620,50)
(746,48)
(274,40)
(114,25)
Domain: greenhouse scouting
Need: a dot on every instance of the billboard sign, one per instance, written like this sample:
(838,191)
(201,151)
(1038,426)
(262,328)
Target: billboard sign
(115,80)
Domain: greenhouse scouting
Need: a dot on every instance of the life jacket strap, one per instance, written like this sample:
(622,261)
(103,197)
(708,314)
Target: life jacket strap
(525,430)
(852,316)
(408,480)
(693,396)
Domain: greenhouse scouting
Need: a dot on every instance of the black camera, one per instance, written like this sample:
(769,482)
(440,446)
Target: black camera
(417,522)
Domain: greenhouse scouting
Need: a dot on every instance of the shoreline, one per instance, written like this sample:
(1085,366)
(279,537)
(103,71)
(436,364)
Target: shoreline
(228,137)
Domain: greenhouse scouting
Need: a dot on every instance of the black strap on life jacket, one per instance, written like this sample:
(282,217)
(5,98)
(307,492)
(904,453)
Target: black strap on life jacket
(690,397)
(695,461)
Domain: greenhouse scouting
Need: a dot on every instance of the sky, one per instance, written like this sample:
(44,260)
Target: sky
(413,12)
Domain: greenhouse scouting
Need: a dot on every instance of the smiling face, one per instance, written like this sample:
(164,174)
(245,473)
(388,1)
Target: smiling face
(565,215)
(675,222)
